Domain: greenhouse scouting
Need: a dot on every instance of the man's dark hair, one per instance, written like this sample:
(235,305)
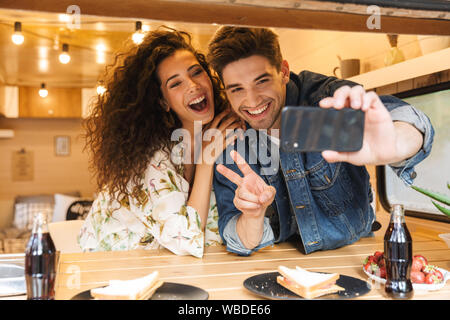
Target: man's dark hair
(230,44)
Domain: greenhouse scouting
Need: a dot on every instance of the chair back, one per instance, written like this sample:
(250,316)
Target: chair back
(79,210)
(64,235)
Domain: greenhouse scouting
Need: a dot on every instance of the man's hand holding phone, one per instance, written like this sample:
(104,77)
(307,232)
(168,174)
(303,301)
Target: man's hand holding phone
(381,143)
(252,197)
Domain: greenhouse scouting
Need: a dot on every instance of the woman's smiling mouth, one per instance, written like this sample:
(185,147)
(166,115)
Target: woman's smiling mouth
(199,104)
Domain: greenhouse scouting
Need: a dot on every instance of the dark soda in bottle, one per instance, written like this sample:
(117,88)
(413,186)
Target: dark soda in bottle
(40,261)
(398,256)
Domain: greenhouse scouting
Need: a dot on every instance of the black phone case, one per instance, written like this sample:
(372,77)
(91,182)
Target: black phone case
(313,129)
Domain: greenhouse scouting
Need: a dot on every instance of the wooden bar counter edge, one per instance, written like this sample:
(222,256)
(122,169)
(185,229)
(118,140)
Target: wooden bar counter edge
(222,273)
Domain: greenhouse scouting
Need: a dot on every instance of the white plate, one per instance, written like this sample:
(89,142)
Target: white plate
(12,280)
(417,286)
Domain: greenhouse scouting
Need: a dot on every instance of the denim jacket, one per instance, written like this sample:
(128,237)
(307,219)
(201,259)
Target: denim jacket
(327,204)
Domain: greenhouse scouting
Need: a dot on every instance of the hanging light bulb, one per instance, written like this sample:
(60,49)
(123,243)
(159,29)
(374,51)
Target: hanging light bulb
(64,57)
(100,49)
(138,36)
(43,92)
(63,17)
(17,37)
(101,89)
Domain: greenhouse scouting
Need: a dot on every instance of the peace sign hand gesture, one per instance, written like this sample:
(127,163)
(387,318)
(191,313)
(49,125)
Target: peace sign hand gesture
(252,195)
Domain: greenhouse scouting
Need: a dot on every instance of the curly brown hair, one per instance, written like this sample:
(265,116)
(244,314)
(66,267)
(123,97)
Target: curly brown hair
(128,124)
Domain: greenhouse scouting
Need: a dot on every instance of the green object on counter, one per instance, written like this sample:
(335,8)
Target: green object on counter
(438,197)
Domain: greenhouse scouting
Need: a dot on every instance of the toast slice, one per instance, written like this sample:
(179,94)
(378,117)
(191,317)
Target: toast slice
(136,289)
(306,284)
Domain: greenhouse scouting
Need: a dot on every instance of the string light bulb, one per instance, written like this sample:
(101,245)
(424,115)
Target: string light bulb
(64,57)
(138,36)
(100,49)
(43,92)
(17,38)
(101,89)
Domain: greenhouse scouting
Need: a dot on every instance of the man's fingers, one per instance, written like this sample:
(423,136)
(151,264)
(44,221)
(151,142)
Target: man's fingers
(371,99)
(229,174)
(245,205)
(246,195)
(341,97)
(345,97)
(326,103)
(267,196)
(334,156)
(356,97)
(241,163)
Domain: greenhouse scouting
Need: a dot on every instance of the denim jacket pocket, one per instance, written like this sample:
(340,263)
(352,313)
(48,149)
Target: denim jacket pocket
(330,186)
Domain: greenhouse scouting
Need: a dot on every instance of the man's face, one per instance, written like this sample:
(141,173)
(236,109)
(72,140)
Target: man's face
(256,90)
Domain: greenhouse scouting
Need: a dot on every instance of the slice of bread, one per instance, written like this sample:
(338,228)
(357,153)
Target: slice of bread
(308,284)
(136,289)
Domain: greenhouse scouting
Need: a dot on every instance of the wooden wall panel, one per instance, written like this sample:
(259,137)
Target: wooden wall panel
(60,103)
(52,174)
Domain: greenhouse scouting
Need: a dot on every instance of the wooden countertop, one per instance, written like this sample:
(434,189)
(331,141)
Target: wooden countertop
(222,274)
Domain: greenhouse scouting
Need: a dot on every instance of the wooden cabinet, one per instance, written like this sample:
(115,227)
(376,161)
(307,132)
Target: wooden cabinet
(59,103)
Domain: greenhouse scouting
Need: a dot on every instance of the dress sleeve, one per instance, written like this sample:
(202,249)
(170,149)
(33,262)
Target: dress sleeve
(110,226)
(175,225)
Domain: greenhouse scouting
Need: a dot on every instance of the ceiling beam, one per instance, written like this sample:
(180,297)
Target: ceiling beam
(270,13)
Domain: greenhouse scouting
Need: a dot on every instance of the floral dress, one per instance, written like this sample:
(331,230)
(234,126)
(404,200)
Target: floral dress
(157,217)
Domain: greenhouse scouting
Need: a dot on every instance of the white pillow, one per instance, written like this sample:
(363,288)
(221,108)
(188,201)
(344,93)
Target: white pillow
(62,203)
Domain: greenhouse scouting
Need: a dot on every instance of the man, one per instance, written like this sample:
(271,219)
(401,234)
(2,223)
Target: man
(322,198)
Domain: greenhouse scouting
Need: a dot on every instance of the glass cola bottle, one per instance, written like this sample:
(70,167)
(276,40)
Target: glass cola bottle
(398,255)
(40,261)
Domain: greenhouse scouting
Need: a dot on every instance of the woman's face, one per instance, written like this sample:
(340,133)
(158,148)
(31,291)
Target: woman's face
(186,88)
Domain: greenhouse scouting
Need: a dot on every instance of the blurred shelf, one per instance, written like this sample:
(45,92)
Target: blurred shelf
(6,133)
(413,68)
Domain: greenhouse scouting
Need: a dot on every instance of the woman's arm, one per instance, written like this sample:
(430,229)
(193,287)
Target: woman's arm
(201,188)
(213,143)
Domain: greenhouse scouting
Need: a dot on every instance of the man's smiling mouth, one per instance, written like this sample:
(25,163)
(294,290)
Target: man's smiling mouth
(257,112)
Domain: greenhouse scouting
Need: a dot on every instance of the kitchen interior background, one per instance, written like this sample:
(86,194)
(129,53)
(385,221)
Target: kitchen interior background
(36,121)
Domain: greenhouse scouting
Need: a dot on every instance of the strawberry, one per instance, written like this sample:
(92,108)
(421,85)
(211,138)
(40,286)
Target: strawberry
(417,264)
(371,267)
(434,273)
(421,259)
(382,262)
(378,255)
(382,272)
(417,277)
(375,269)
(367,266)
(369,259)
(432,279)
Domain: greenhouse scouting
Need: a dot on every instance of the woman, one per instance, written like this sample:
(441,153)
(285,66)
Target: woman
(149,198)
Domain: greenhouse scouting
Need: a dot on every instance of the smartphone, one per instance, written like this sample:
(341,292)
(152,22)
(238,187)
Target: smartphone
(310,129)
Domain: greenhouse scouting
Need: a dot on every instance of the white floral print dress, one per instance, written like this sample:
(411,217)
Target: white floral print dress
(158,217)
